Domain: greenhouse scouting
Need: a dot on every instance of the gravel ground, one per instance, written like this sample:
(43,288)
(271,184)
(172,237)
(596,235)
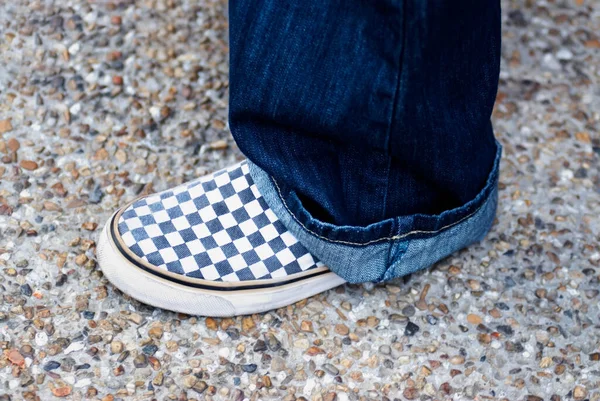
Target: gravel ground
(101,102)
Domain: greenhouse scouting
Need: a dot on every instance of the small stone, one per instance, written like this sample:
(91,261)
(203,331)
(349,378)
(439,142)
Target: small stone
(233,333)
(260,346)
(411,329)
(51,206)
(513,346)
(96,195)
(474,319)
(13,144)
(545,362)
(16,358)
(218,145)
(424,371)
(156,332)
(267,381)
(331,396)
(249,368)
(5,126)
(189,381)
(41,338)
(341,329)
(22,263)
(135,318)
(165,112)
(372,321)
(28,165)
(154,362)
(502,306)
(306,326)
(301,343)
(119,370)
(226,323)
(385,350)
(408,311)
(579,393)
(211,324)
(62,391)
(312,351)
(272,342)
(121,156)
(200,386)
(26,290)
(116,347)
(542,336)
(238,395)
(187,92)
(5,210)
(457,360)
(347,306)
(248,324)
(158,379)
(495,313)
(505,329)
(90,226)
(332,370)
(81,259)
(67,364)
(150,349)
(61,279)
(277,364)
(398,318)
(410,393)
(51,365)
(26,350)
(140,361)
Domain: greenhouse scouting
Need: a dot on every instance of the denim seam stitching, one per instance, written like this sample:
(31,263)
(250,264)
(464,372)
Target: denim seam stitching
(400,252)
(387,261)
(396,237)
(394,108)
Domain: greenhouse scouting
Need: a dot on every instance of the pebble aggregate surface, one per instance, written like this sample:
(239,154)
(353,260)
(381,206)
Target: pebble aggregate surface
(103,101)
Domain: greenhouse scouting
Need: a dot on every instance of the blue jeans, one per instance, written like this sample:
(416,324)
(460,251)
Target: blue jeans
(367,124)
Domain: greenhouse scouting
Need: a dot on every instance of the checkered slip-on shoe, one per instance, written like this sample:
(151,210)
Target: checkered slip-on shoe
(209,247)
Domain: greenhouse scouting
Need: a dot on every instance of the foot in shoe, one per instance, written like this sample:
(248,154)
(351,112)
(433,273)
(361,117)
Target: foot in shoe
(209,247)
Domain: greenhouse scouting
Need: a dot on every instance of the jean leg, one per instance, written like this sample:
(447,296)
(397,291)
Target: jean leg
(366,110)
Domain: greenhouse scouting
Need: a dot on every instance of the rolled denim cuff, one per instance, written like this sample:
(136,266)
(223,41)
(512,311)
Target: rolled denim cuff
(393,247)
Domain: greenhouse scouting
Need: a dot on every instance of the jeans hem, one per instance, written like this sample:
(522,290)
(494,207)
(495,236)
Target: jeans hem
(390,248)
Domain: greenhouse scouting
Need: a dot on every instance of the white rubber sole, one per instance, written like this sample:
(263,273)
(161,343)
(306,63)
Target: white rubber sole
(163,293)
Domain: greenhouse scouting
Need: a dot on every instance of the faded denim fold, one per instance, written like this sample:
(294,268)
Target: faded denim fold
(413,242)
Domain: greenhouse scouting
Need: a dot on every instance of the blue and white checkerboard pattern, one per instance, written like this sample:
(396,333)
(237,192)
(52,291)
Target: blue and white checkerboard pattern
(216,228)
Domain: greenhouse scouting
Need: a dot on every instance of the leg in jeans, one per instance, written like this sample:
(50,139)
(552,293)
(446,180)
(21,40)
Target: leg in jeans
(371,155)
(372,117)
